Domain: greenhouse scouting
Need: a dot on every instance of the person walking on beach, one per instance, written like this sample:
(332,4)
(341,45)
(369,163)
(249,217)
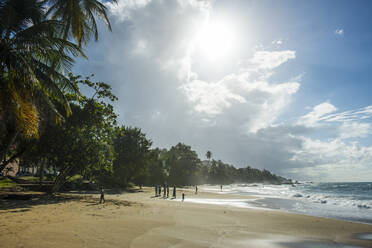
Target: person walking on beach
(183,196)
(156,190)
(174,191)
(159,188)
(196,189)
(167,191)
(221,187)
(102,199)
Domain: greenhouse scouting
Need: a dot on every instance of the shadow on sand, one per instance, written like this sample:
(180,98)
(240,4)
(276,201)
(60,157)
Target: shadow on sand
(107,191)
(316,244)
(24,201)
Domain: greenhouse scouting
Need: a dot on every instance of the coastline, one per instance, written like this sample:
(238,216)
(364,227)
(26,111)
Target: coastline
(336,202)
(141,220)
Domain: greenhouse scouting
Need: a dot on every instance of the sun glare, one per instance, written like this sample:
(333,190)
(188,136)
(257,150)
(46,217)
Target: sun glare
(216,40)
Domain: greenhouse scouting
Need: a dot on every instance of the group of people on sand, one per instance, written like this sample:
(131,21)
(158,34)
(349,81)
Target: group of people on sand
(158,190)
(165,186)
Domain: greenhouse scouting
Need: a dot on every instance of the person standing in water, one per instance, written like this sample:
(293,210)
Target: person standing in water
(102,199)
(183,196)
(221,187)
(196,189)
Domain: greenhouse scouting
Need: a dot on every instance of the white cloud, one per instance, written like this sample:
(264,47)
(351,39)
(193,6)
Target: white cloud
(350,115)
(260,101)
(350,124)
(270,60)
(140,47)
(355,130)
(204,5)
(340,158)
(149,63)
(317,114)
(277,42)
(339,31)
(122,10)
(211,98)
(333,160)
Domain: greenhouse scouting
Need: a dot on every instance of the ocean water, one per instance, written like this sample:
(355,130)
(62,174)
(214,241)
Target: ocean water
(346,201)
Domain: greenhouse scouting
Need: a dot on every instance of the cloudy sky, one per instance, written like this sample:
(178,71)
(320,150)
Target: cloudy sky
(280,85)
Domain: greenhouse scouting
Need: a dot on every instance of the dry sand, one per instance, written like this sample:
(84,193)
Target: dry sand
(139,220)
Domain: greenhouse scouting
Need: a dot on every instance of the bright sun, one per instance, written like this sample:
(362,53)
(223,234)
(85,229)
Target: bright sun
(216,40)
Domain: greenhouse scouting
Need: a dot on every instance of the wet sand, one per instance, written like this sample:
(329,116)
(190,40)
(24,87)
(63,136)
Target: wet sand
(141,220)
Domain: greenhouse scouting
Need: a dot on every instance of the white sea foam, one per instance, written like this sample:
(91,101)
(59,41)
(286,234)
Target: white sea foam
(241,203)
(343,201)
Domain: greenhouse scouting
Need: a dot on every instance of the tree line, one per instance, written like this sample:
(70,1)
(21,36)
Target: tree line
(47,123)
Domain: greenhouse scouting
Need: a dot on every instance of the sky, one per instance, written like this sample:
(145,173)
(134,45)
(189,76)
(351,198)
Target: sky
(279,85)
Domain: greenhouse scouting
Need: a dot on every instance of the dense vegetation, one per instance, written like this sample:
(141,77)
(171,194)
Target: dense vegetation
(48,125)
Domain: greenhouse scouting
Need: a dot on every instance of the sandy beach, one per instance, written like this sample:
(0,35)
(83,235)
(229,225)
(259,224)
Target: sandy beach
(141,220)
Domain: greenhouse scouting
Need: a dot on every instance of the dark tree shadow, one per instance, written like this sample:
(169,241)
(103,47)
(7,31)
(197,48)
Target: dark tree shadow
(107,191)
(24,201)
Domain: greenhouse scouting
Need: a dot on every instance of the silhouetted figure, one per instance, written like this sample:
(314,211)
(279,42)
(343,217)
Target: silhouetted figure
(221,187)
(183,196)
(159,188)
(164,190)
(196,189)
(167,191)
(174,191)
(156,190)
(102,199)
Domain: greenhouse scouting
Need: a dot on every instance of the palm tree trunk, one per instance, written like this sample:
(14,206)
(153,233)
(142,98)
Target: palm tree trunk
(61,179)
(41,171)
(4,152)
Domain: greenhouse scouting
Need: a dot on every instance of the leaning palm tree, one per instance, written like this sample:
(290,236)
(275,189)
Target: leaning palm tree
(29,45)
(79,18)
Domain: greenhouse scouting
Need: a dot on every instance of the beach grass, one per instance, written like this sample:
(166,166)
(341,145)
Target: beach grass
(7,183)
(30,178)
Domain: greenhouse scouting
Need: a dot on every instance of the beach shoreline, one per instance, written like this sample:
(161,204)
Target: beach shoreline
(142,220)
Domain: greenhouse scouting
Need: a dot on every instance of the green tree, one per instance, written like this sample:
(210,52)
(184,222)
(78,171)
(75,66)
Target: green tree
(79,18)
(183,164)
(131,154)
(208,155)
(35,55)
(28,45)
(83,143)
(157,172)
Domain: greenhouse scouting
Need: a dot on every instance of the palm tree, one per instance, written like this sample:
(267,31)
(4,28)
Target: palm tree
(208,155)
(29,45)
(79,18)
